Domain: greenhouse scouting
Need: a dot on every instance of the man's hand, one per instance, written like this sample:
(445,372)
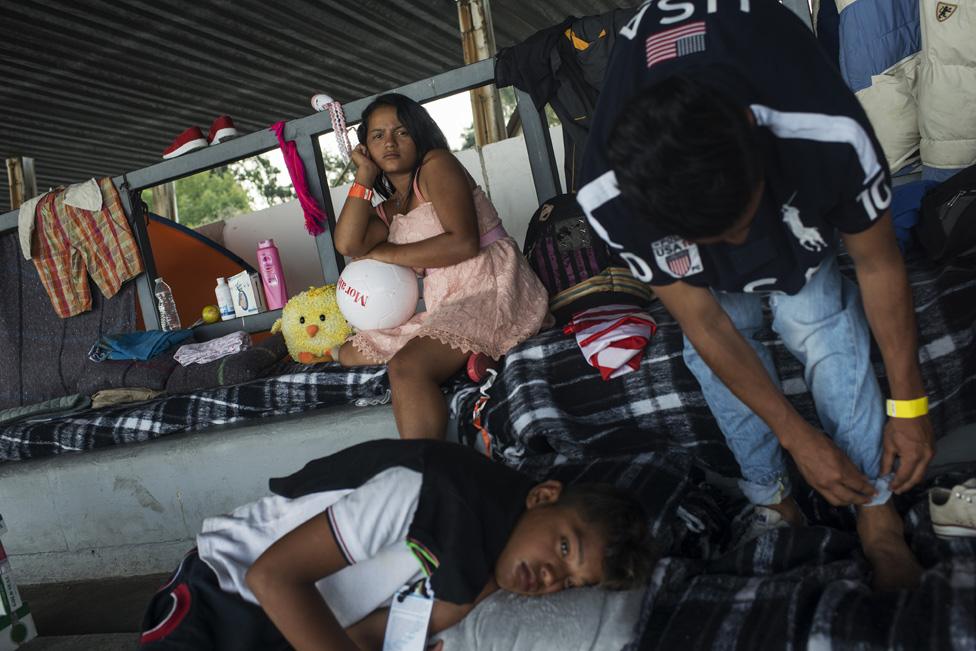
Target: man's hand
(828,470)
(911,441)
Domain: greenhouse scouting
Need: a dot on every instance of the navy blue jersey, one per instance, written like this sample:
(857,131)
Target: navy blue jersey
(824,169)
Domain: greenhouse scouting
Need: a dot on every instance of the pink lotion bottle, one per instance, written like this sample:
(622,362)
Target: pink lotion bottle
(272,275)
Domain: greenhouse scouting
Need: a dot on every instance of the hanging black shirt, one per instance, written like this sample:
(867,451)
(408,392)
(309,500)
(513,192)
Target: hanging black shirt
(824,169)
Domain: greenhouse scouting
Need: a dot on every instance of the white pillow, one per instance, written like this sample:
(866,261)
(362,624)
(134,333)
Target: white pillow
(583,619)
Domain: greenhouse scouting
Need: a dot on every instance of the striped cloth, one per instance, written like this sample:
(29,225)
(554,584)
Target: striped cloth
(209,351)
(612,337)
(73,242)
(675,42)
(613,284)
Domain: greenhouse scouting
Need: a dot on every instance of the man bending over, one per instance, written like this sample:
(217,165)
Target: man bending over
(726,160)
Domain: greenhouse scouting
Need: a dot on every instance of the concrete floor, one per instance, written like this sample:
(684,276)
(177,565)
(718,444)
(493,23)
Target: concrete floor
(108,642)
(89,615)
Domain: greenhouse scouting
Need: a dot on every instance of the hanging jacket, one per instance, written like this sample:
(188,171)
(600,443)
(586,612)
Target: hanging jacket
(911,64)
(563,66)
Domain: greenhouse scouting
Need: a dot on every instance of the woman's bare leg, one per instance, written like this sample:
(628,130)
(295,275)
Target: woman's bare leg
(349,355)
(416,373)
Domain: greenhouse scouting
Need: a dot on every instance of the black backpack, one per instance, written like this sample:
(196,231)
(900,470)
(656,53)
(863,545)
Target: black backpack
(947,226)
(574,264)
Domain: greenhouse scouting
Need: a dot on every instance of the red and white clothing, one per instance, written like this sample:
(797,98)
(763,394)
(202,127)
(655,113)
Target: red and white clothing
(73,243)
(612,337)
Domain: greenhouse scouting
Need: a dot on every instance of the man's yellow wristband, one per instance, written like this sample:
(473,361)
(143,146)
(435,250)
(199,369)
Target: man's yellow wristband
(908,408)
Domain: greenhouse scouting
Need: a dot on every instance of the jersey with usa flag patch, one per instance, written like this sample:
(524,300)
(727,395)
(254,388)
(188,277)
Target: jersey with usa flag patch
(825,173)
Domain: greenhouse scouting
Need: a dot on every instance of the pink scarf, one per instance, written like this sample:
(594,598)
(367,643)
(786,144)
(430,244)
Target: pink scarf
(315,219)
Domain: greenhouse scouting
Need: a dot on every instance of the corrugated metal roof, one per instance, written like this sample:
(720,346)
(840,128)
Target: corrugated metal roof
(100,87)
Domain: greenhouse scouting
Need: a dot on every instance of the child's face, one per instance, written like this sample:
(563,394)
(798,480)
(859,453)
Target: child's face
(550,549)
(390,146)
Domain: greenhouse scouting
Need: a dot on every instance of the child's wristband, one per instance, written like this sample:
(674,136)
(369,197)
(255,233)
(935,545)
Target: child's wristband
(361,191)
(907,408)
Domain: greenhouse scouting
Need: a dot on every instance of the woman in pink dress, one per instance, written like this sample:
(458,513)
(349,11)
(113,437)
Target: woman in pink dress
(480,294)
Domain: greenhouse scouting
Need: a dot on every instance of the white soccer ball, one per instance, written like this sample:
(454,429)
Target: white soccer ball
(373,295)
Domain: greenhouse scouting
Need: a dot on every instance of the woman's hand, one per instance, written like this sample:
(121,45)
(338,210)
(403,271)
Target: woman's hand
(366,169)
(358,228)
(382,252)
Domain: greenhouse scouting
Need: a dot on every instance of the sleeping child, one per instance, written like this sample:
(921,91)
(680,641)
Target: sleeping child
(316,565)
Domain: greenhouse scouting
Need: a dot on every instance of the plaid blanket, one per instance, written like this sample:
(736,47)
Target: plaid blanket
(548,405)
(809,587)
(791,588)
(550,414)
(295,390)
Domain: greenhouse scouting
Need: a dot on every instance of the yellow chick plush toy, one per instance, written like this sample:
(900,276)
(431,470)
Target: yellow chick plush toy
(312,325)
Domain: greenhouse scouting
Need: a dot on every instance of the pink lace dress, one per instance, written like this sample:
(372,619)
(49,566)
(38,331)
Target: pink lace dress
(486,304)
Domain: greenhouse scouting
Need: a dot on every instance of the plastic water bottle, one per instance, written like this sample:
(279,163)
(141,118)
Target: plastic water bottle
(224,300)
(272,275)
(169,318)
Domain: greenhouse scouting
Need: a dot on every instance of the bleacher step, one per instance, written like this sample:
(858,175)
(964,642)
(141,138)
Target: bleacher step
(101,642)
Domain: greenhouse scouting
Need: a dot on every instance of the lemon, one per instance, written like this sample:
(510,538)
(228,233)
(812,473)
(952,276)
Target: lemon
(211,314)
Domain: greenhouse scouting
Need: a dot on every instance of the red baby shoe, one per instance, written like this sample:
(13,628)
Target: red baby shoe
(221,129)
(187,141)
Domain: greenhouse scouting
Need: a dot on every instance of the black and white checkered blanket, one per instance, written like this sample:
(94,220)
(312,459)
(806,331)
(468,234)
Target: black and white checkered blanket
(298,389)
(791,588)
(809,587)
(548,405)
(550,414)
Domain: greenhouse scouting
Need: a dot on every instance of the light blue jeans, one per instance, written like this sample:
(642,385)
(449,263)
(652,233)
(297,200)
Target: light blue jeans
(825,328)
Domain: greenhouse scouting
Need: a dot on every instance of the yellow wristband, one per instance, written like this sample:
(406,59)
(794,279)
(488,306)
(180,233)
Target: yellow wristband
(908,408)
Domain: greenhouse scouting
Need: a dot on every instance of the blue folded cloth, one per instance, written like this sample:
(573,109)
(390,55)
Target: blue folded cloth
(136,345)
(905,208)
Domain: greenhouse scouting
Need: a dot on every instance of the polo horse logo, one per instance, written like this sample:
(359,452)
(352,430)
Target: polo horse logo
(809,238)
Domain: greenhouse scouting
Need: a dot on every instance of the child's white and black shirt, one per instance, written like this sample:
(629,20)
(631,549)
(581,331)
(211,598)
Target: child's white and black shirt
(370,525)
(399,510)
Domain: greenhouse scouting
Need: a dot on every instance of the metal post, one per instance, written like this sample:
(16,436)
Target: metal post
(21,180)
(542,161)
(311,155)
(477,44)
(164,201)
(146,280)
